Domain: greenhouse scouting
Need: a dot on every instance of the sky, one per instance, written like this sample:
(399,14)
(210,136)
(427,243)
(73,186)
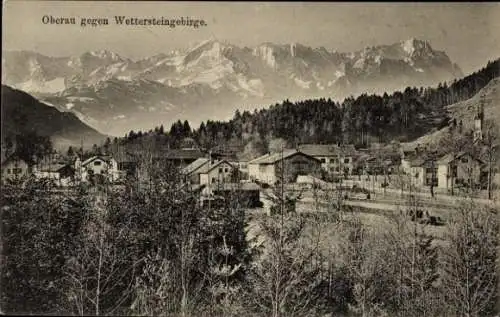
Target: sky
(467,32)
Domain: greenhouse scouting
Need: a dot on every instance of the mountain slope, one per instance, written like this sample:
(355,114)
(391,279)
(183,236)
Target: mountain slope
(465,111)
(488,98)
(22,113)
(214,78)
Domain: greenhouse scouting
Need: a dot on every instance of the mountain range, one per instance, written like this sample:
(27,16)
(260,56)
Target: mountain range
(115,94)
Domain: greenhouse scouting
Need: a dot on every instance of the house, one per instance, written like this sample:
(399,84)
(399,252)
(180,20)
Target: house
(383,162)
(176,157)
(422,171)
(242,167)
(182,157)
(62,174)
(334,158)
(220,172)
(267,168)
(458,170)
(449,171)
(192,171)
(104,166)
(126,163)
(16,168)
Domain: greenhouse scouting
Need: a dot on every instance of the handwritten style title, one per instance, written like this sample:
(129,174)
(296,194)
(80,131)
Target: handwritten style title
(126,21)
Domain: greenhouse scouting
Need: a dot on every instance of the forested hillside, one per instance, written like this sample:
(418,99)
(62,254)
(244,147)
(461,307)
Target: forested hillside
(403,115)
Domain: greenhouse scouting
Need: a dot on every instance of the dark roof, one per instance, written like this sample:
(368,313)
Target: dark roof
(207,168)
(183,154)
(451,157)
(417,162)
(195,165)
(326,149)
(275,157)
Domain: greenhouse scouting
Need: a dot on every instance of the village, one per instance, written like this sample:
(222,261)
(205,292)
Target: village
(383,174)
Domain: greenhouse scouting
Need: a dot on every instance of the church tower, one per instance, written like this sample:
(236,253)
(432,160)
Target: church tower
(478,122)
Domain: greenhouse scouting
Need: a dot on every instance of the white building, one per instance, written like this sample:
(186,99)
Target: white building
(15,168)
(97,165)
(458,170)
(220,172)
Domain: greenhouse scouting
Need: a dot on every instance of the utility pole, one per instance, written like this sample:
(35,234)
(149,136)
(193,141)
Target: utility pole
(208,175)
(282,184)
(81,160)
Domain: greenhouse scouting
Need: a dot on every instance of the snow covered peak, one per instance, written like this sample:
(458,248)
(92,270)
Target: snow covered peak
(105,54)
(213,50)
(266,51)
(411,45)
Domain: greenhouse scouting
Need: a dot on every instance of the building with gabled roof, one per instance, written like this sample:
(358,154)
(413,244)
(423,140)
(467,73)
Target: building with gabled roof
(98,165)
(16,168)
(193,171)
(460,169)
(334,158)
(220,172)
(267,168)
(61,173)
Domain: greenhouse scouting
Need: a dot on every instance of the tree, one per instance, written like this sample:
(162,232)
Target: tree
(469,272)
(8,145)
(283,280)
(411,262)
(70,152)
(32,269)
(189,250)
(107,146)
(276,144)
(100,276)
(455,144)
(32,147)
(364,266)
(490,142)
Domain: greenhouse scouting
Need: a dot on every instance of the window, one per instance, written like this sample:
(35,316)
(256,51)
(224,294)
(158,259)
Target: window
(337,169)
(97,163)
(226,170)
(346,161)
(430,170)
(429,180)
(17,170)
(323,160)
(464,160)
(213,179)
(220,169)
(8,171)
(454,171)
